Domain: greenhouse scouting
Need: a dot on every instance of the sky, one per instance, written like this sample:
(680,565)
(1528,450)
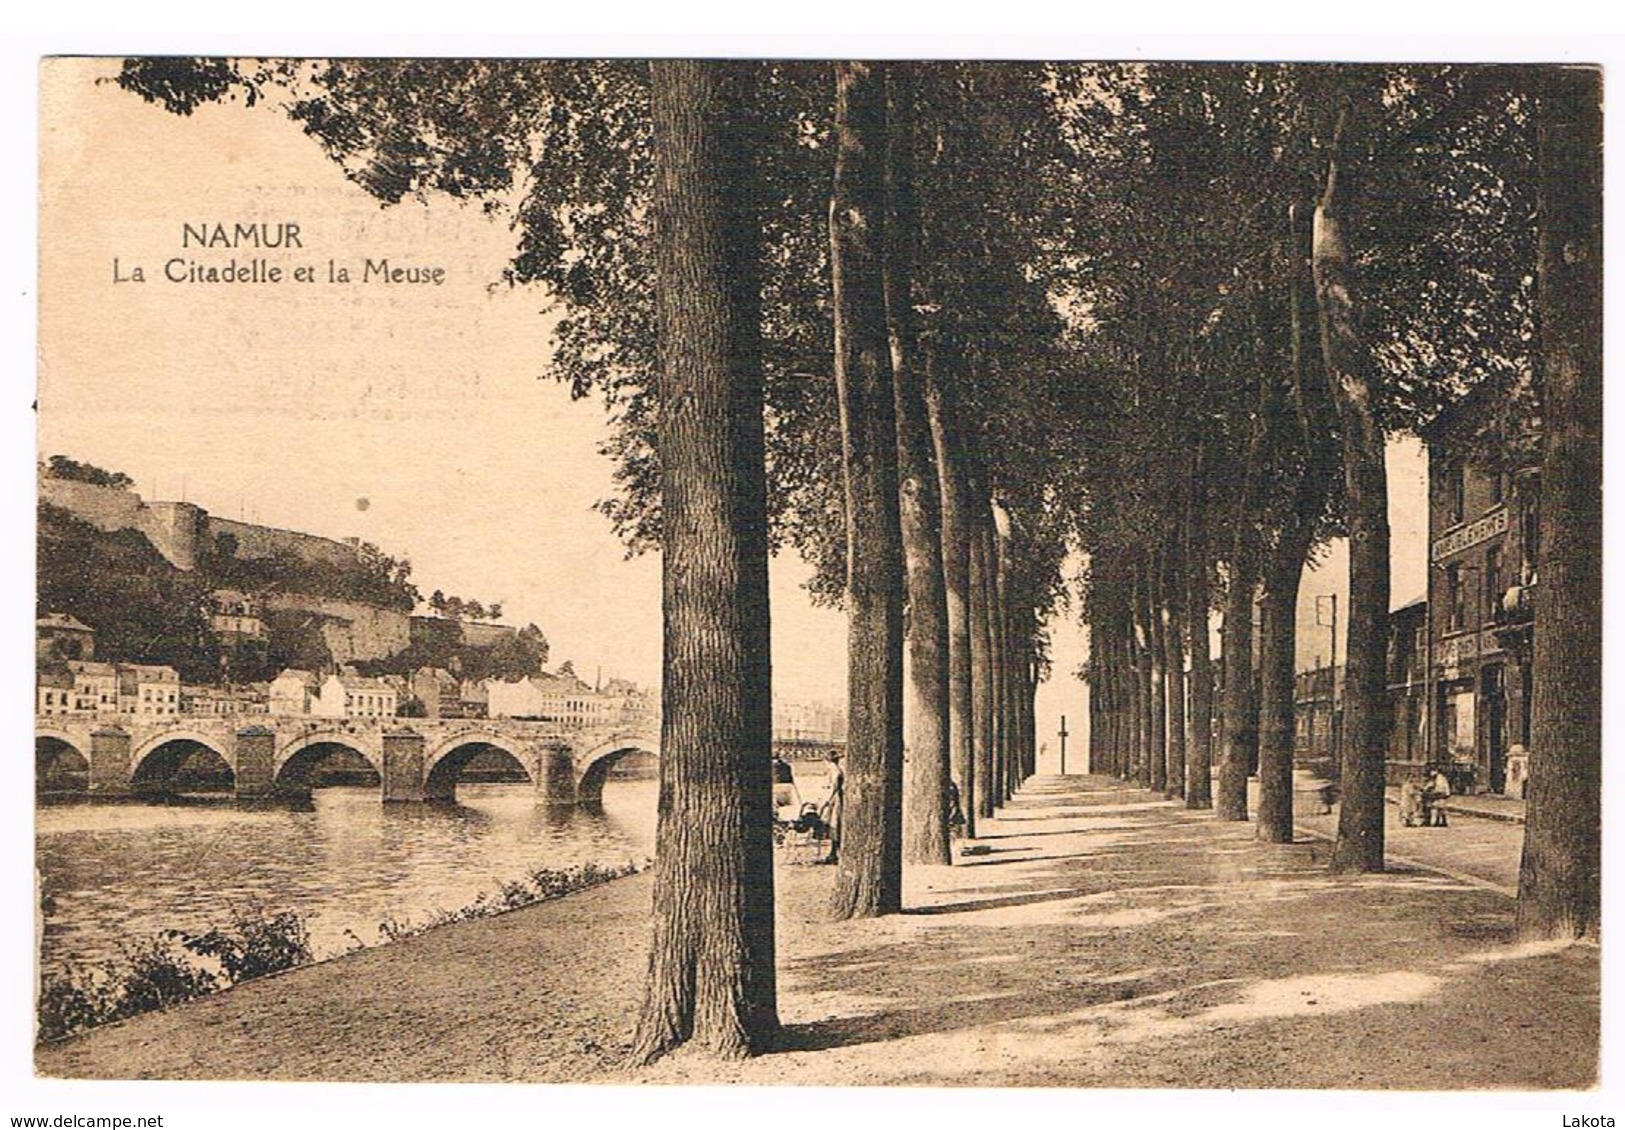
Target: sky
(414,416)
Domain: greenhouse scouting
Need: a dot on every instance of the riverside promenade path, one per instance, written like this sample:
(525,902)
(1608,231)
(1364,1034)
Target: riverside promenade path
(1107,938)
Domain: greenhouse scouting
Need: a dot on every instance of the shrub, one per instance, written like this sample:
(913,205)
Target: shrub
(164,970)
(541,885)
(157,976)
(256,946)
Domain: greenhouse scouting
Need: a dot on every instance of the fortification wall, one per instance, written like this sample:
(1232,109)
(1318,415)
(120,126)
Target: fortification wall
(268,541)
(106,508)
(355,631)
(171,527)
(177,529)
(180,530)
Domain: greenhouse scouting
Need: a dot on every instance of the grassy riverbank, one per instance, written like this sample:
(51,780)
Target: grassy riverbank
(1108,939)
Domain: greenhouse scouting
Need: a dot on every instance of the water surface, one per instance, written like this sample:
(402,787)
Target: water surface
(110,874)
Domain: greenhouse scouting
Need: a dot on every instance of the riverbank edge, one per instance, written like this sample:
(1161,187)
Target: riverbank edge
(409,934)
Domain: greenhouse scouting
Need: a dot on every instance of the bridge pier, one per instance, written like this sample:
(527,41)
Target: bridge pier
(556,779)
(255,772)
(109,762)
(403,766)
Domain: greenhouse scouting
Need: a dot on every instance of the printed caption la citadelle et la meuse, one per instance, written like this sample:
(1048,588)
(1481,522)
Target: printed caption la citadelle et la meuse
(268,254)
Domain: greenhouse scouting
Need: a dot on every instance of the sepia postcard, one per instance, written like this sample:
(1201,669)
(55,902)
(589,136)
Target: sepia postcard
(927,574)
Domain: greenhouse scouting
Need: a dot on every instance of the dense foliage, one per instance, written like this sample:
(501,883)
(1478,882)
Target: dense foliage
(142,608)
(61,467)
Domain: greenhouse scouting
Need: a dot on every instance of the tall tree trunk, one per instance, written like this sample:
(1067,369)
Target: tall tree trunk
(1135,719)
(998,732)
(981,649)
(1174,666)
(1122,703)
(1560,879)
(1029,717)
(1278,650)
(1106,682)
(1359,844)
(1146,748)
(1136,696)
(1306,425)
(1004,694)
(1157,646)
(869,870)
(925,746)
(1117,719)
(1100,707)
(1199,762)
(948,447)
(1240,740)
(711,956)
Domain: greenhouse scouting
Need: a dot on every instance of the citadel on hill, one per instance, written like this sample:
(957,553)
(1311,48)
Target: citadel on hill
(157,607)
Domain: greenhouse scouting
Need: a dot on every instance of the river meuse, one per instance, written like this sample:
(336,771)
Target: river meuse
(113,874)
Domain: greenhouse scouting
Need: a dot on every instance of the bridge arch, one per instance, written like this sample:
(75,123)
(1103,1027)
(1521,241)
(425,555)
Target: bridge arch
(79,743)
(61,762)
(299,756)
(593,765)
(444,763)
(156,762)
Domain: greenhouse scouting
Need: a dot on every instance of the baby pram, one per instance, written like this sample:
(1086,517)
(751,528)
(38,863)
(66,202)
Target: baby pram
(799,829)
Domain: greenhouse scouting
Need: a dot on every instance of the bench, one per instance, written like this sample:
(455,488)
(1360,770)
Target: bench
(1313,797)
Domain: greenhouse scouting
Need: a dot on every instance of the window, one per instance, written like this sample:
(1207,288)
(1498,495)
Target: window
(1454,598)
(1497,487)
(1531,541)
(1455,485)
(1494,582)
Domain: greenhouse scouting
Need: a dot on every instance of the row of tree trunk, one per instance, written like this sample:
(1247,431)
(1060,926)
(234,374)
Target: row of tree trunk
(923,532)
(711,978)
(1135,714)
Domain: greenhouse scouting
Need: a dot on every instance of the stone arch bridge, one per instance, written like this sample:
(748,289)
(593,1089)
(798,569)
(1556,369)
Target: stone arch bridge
(418,759)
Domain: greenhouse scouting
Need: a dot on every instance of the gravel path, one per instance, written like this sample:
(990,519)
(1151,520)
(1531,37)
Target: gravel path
(1108,939)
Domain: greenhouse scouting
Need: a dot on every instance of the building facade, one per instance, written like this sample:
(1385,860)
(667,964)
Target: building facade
(439,692)
(345,694)
(95,686)
(291,691)
(59,636)
(553,698)
(1460,673)
(1319,696)
(147,690)
(218,702)
(1483,550)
